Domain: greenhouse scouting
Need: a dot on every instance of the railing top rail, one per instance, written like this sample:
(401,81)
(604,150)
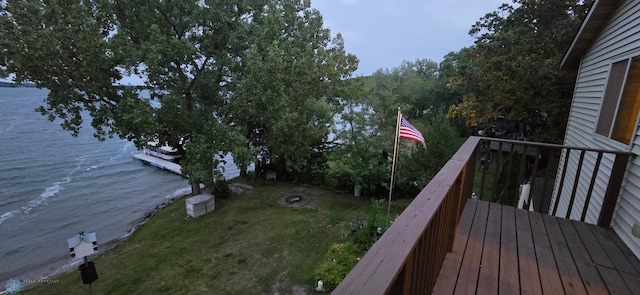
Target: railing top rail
(552,145)
(381,265)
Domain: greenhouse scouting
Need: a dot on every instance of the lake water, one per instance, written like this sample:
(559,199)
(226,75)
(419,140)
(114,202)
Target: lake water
(53,185)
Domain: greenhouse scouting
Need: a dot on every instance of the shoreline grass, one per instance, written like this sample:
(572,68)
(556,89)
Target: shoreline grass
(250,244)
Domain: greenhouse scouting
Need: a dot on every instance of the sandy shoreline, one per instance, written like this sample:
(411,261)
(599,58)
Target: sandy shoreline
(46,272)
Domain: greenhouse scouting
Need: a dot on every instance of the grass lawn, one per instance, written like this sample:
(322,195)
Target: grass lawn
(485,192)
(250,244)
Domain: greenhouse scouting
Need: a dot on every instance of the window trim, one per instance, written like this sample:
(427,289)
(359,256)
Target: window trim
(607,139)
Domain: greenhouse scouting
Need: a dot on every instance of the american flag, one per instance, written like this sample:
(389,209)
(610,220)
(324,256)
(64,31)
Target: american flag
(409,132)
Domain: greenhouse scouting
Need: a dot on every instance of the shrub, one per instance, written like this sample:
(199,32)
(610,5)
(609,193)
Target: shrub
(363,238)
(221,188)
(336,264)
(508,178)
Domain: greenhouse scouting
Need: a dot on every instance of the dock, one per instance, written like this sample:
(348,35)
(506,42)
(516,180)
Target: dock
(159,163)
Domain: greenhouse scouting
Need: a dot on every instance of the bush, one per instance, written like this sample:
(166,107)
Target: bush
(221,188)
(336,264)
(418,166)
(363,238)
(341,258)
(508,178)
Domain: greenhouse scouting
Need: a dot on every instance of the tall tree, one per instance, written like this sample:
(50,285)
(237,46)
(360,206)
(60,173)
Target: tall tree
(359,160)
(189,51)
(288,93)
(415,84)
(512,71)
(198,59)
(417,165)
(64,46)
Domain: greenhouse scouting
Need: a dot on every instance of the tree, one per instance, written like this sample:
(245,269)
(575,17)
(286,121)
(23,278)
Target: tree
(359,159)
(368,117)
(189,52)
(63,46)
(288,90)
(512,71)
(415,85)
(198,59)
(417,165)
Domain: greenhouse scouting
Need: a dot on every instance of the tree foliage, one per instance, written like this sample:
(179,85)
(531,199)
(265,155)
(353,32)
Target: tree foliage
(359,158)
(512,71)
(223,76)
(417,166)
(287,96)
(367,121)
(265,81)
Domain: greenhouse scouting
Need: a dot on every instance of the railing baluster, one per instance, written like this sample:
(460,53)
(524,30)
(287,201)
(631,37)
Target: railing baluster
(418,266)
(613,189)
(523,163)
(564,173)
(576,181)
(407,259)
(484,165)
(408,273)
(546,197)
(591,185)
(430,249)
(508,164)
(433,249)
(532,180)
(496,172)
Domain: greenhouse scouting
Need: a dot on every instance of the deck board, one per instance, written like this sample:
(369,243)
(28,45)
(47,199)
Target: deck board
(597,253)
(614,281)
(588,272)
(626,251)
(529,278)
(632,282)
(451,267)
(566,267)
(488,280)
(470,267)
(547,267)
(499,249)
(617,256)
(509,279)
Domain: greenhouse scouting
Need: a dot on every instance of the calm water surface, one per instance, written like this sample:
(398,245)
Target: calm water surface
(53,185)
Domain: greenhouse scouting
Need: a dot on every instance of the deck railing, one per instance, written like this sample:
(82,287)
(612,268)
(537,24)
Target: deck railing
(408,257)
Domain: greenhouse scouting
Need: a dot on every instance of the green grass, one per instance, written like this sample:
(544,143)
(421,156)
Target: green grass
(487,191)
(250,244)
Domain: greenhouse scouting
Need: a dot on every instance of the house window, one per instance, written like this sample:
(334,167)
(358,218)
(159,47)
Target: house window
(621,102)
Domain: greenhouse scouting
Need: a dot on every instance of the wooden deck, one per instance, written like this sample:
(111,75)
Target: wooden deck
(502,250)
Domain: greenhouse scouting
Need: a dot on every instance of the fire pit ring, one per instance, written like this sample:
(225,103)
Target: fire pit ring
(296,200)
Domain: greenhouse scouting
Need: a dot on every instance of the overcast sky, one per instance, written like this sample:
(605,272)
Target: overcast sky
(383,33)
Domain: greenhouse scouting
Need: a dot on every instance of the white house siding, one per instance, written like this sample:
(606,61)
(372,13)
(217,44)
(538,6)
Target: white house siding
(619,38)
(582,189)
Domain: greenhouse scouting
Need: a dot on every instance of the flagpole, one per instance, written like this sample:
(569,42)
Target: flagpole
(393,164)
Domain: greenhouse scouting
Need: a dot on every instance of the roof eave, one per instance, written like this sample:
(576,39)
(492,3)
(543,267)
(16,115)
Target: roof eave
(598,16)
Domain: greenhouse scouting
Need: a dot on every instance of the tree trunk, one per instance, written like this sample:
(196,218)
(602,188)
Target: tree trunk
(195,188)
(209,183)
(259,169)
